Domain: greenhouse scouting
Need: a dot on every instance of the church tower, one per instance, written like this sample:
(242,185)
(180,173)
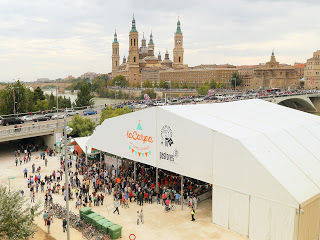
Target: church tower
(273,62)
(134,72)
(151,44)
(178,48)
(115,55)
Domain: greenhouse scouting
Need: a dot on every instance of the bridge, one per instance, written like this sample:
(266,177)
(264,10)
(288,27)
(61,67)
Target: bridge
(61,85)
(309,102)
(48,131)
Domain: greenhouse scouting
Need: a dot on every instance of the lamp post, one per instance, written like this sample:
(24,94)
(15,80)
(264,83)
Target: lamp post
(9,181)
(170,90)
(66,131)
(14,99)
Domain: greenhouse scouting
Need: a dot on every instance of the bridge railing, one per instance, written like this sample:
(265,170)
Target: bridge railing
(30,129)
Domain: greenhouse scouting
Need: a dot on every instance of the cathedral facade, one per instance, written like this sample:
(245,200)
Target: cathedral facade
(142,61)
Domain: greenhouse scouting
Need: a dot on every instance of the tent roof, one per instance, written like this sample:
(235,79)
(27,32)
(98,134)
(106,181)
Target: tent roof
(282,140)
(285,141)
(82,142)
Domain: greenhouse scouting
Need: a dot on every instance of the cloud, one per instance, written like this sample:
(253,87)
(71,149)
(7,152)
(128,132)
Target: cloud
(42,38)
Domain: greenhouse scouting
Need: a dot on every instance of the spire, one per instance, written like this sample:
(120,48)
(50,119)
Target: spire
(143,36)
(151,39)
(133,28)
(115,39)
(178,26)
(272,52)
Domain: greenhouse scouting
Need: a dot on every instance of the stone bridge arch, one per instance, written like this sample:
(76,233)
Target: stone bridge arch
(299,104)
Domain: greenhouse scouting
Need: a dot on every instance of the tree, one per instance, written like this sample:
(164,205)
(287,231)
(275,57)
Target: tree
(176,85)
(84,96)
(81,127)
(203,89)
(147,84)
(120,81)
(155,84)
(184,85)
(38,94)
(163,84)
(150,92)
(235,79)
(16,217)
(41,105)
(109,113)
(98,84)
(51,102)
(213,84)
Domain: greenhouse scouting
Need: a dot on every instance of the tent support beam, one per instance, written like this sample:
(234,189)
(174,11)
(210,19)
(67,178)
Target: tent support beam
(86,155)
(134,171)
(181,192)
(157,185)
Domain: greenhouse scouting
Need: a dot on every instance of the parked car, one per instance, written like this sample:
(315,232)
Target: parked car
(49,115)
(27,118)
(89,112)
(71,112)
(1,118)
(59,116)
(11,121)
(40,118)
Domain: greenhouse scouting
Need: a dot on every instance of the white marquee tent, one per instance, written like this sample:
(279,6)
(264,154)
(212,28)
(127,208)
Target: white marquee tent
(262,159)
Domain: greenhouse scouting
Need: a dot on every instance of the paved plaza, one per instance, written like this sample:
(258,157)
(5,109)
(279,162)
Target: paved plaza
(157,224)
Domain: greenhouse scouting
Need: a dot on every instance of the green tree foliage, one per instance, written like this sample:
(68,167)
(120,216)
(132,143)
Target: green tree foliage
(16,215)
(235,79)
(22,95)
(81,126)
(51,101)
(98,84)
(38,95)
(155,84)
(147,84)
(175,85)
(213,84)
(119,81)
(150,92)
(77,82)
(64,102)
(42,105)
(185,85)
(84,96)
(163,84)
(203,89)
(109,112)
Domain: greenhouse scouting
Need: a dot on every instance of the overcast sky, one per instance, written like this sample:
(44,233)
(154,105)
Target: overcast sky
(56,38)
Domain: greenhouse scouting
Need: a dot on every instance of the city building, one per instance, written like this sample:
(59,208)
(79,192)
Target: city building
(141,63)
(312,72)
(43,80)
(90,75)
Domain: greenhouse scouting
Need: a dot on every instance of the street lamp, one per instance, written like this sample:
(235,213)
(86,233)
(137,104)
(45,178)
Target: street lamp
(170,90)
(14,99)
(9,181)
(67,130)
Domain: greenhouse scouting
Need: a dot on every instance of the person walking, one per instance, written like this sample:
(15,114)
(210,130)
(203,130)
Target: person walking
(16,162)
(64,225)
(25,171)
(46,162)
(138,216)
(48,224)
(192,214)
(195,202)
(45,217)
(141,216)
(116,205)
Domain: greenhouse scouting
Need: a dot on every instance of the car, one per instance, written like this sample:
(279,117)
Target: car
(1,118)
(49,115)
(11,121)
(71,112)
(27,118)
(89,112)
(40,118)
(59,116)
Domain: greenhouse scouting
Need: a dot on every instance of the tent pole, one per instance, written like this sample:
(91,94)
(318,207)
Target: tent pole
(157,185)
(134,171)
(181,192)
(86,155)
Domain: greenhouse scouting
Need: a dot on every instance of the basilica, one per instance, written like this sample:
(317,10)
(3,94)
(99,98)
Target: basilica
(141,63)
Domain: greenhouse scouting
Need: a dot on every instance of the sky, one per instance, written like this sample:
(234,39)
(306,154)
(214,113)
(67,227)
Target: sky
(57,38)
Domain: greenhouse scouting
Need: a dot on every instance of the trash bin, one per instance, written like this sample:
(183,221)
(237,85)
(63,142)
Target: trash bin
(89,217)
(84,211)
(115,231)
(101,222)
(96,219)
(105,226)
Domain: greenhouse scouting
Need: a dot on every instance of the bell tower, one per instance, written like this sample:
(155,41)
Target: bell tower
(115,55)
(134,71)
(178,47)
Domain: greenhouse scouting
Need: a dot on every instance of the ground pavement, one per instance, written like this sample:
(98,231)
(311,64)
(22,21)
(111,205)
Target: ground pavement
(157,224)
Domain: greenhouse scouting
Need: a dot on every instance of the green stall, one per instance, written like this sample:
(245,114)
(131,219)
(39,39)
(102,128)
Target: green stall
(115,231)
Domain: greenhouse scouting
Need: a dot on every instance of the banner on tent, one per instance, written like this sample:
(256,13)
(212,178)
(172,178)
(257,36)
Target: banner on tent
(139,142)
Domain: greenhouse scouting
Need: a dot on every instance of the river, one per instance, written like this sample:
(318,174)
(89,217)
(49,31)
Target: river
(97,100)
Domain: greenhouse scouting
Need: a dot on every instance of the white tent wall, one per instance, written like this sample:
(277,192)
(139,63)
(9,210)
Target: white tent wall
(190,142)
(122,136)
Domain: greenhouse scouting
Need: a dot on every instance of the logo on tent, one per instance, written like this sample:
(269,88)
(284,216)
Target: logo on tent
(166,136)
(139,126)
